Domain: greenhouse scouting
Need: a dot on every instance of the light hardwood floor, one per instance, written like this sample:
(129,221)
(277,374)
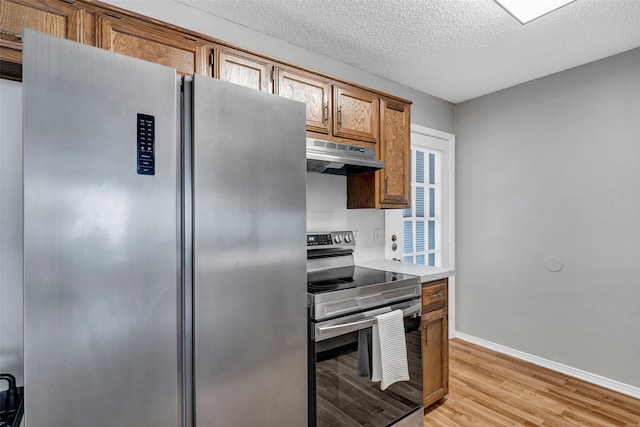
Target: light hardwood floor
(491,389)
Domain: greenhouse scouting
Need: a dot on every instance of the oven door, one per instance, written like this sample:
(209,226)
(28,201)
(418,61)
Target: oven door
(340,396)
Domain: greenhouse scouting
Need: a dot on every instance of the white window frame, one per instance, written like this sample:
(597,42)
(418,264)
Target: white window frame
(426,217)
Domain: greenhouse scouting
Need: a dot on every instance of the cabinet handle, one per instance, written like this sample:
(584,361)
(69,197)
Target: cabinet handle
(8,33)
(113,15)
(437,295)
(386,185)
(326,112)
(340,115)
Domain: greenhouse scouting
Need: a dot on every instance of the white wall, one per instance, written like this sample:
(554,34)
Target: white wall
(426,110)
(327,211)
(11,353)
(551,168)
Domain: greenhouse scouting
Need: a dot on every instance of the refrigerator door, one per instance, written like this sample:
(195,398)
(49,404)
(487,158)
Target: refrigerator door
(101,243)
(249,257)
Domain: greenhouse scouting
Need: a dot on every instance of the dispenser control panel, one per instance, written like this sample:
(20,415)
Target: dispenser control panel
(146,141)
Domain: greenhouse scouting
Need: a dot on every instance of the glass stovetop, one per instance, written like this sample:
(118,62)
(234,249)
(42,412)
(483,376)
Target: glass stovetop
(337,279)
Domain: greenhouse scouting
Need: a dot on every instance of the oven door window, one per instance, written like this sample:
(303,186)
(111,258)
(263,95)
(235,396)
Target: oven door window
(344,398)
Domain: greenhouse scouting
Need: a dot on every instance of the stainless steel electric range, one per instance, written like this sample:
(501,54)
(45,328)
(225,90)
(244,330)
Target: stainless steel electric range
(343,299)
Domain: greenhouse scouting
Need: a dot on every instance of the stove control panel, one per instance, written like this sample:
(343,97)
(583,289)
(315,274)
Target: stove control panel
(330,239)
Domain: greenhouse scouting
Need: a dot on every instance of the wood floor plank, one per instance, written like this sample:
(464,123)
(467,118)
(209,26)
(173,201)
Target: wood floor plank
(487,388)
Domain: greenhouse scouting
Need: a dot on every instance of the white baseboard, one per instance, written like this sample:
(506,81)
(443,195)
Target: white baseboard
(554,366)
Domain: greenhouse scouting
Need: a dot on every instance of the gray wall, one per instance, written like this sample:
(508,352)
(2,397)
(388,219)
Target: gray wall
(11,230)
(552,168)
(426,110)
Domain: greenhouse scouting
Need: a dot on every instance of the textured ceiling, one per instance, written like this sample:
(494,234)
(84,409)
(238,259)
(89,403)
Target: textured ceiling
(452,49)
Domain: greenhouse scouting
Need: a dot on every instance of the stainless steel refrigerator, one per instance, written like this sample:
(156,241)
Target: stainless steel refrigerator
(164,246)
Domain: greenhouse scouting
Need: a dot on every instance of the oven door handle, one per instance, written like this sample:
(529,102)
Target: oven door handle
(333,330)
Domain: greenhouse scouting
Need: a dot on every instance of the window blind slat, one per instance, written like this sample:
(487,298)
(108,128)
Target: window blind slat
(432,168)
(432,235)
(419,236)
(419,202)
(420,166)
(432,202)
(407,232)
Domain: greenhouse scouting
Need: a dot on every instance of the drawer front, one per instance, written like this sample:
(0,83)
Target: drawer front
(434,294)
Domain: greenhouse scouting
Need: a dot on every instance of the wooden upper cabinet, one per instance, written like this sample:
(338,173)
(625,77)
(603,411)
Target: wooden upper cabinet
(389,187)
(337,111)
(242,68)
(355,113)
(57,18)
(145,40)
(310,89)
(395,152)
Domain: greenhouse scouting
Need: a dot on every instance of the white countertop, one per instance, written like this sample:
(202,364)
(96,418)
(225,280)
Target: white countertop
(426,273)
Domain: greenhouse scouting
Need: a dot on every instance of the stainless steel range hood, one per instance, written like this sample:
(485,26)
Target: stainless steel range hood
(340,159)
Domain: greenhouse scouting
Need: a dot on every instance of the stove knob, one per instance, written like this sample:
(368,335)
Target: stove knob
(337,238)
(347,238)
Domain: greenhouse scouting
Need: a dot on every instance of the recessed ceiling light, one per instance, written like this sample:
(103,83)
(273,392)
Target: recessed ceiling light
(528,10)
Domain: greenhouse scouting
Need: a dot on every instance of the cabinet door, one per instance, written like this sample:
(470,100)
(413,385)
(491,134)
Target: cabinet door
(312,90)
(395,152)
(435,355)
(153,43)
(56,18)
(355,113)
(242,68)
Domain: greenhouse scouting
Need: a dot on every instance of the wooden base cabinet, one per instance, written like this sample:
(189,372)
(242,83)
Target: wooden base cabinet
(435,342)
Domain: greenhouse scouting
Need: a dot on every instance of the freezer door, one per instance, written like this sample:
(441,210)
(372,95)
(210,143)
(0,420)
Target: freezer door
(249,257)
(101,246)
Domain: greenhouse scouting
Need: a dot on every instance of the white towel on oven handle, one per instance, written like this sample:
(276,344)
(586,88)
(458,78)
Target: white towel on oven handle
(389,358)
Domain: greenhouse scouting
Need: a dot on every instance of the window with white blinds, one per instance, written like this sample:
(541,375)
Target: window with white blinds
(422,223)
